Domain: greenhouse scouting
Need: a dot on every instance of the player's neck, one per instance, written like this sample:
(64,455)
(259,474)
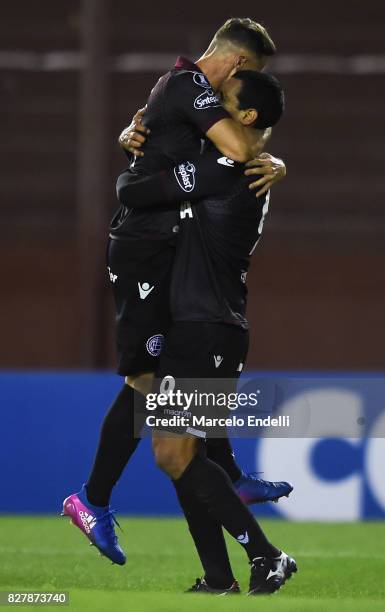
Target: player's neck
(213,69)
(256,140)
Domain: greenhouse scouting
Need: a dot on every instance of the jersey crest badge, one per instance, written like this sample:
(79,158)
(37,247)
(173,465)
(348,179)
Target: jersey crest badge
(155,344)
(200,79)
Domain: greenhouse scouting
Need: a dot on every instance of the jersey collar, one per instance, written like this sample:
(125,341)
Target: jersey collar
(182,63)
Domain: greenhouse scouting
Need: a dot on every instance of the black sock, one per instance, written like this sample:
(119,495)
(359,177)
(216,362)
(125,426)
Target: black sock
(209,541)
(116,445)
(220,451)
(213,488)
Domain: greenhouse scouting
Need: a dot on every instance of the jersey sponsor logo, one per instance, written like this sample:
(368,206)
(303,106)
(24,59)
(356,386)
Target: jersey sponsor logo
(113,277)
(207,99)
(225,161)
(144,290)
(154,345)
(185,175)
(218,360)
(185,210)
(243,538)
(200,79)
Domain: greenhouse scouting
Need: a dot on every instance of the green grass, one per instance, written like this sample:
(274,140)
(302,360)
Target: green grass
(341,567)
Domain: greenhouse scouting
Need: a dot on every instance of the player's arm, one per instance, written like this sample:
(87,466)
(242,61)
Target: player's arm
(229,137)
(189,101)
(132,137)
(201,178)
(235,140)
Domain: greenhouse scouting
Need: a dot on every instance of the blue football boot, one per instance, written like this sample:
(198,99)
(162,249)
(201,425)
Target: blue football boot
(254,490)
(96,523)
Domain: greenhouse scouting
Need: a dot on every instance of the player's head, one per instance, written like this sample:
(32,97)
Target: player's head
(244,43)
(255,99)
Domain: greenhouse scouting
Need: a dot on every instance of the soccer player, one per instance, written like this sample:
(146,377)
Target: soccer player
(181,110)
(209,337)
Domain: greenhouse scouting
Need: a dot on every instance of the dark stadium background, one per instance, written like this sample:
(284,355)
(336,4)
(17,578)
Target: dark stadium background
(317,287)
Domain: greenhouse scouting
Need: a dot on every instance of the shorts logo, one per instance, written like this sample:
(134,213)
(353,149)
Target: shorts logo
(225,161)
(186,210)
(207,99)
(243,277)
(200,79)
(154,345)
(144,290)
(185,175)
(243,538)
(218,360)
(113,277)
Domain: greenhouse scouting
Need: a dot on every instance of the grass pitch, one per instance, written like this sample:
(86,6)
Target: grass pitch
(341,567)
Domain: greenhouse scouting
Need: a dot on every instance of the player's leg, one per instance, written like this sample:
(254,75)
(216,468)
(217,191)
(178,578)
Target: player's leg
(119,437)
(139,334)
(193,473)
(209,486)
(205,481)
(117,443)
(173,455)
(249,487)
(200,478)
(218,574)
(89,509)
(142,316)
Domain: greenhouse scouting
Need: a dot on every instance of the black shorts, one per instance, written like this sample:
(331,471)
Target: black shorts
(140,275)
(203,357)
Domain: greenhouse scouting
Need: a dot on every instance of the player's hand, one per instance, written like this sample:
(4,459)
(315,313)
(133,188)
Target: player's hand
(271,168)
(132,138)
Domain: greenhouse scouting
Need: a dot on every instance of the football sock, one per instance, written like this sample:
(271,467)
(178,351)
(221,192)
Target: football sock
(209,541)
(213,488)
(220,451)
(116,445)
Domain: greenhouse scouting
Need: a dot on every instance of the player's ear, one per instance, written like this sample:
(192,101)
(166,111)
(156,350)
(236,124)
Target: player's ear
(249,116)
(239,62)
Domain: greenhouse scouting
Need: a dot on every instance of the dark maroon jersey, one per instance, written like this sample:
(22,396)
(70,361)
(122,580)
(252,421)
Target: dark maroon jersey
(180,110)
(220,223)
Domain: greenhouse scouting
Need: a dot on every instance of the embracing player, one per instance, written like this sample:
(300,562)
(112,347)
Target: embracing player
(145,243)
(209,335)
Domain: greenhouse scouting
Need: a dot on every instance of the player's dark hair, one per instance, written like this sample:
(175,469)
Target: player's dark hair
(263,92)
(244,32)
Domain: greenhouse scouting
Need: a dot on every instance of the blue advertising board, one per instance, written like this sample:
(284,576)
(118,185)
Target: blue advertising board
(50,425)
